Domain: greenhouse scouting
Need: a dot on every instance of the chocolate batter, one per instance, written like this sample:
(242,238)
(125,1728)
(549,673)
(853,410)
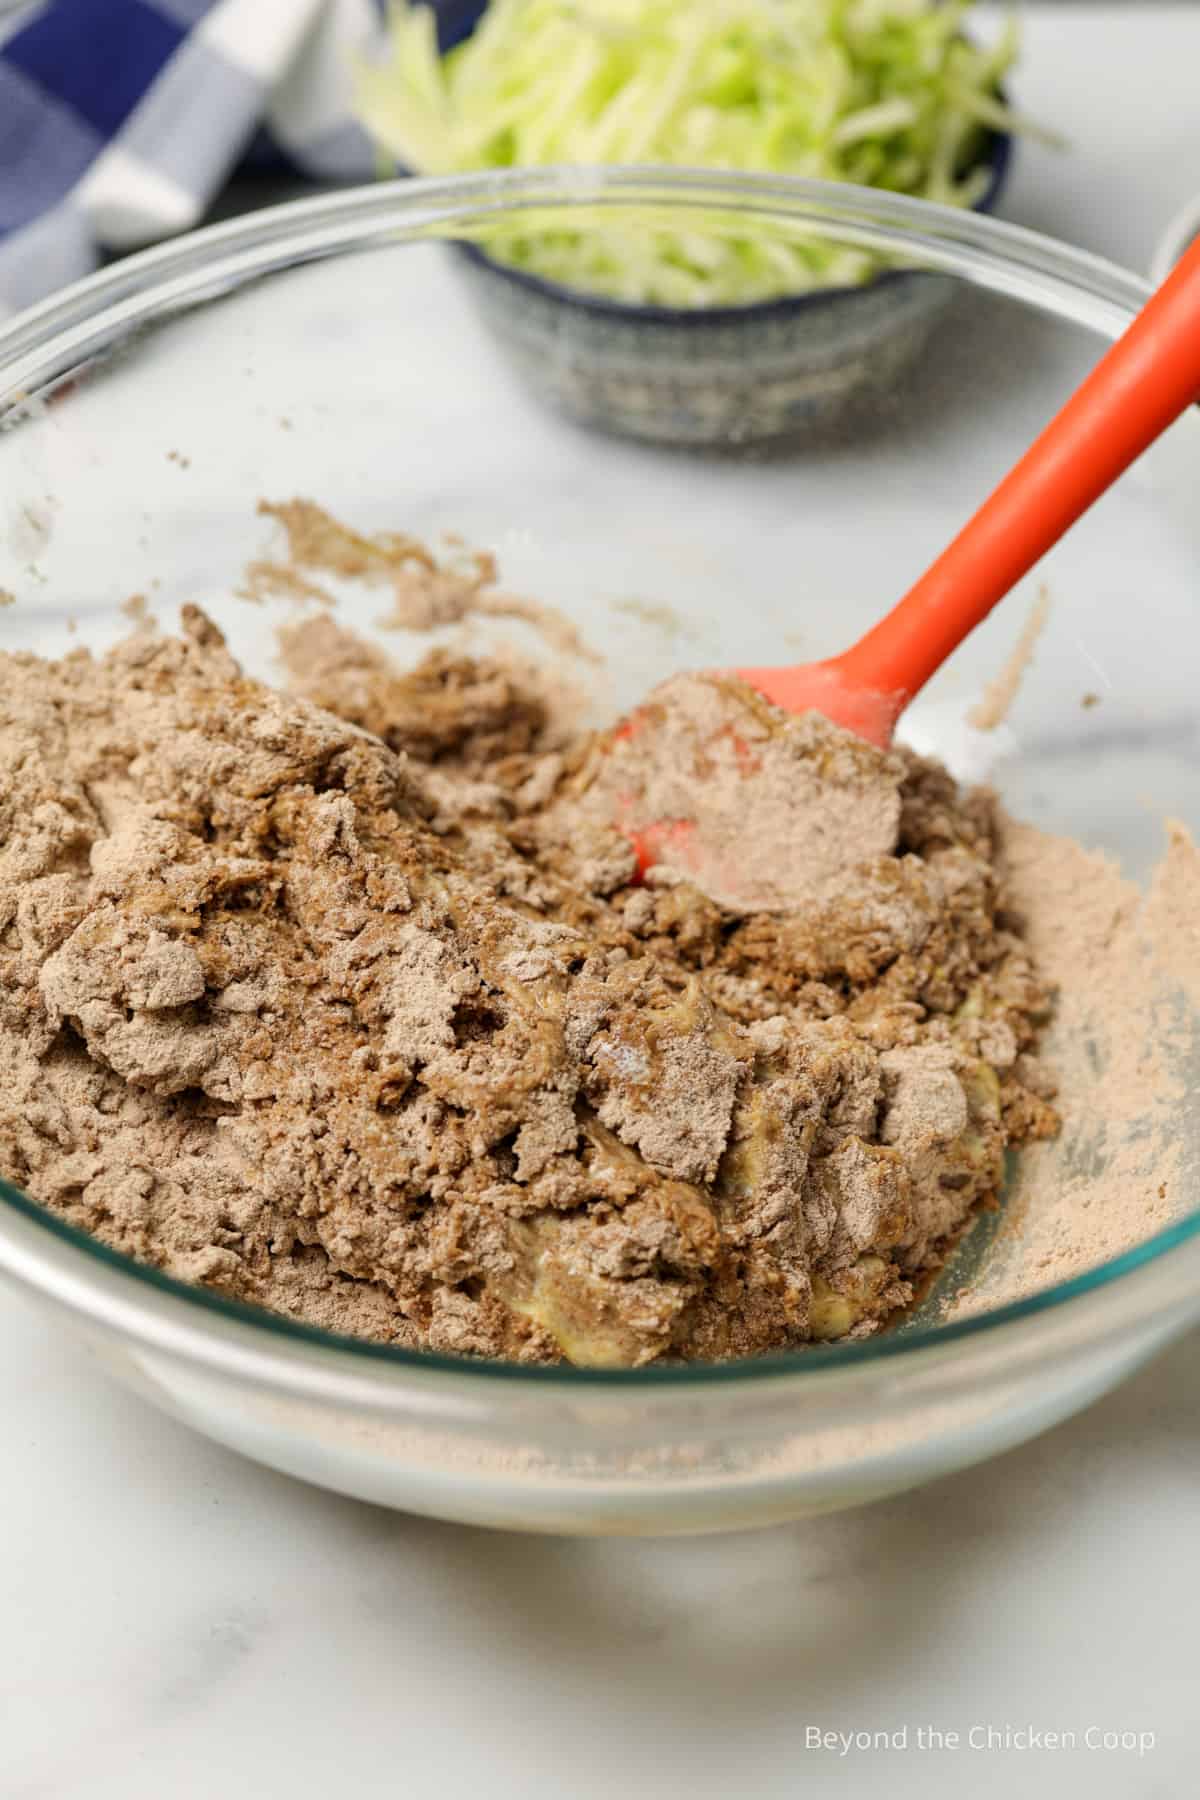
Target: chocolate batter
(348,1003)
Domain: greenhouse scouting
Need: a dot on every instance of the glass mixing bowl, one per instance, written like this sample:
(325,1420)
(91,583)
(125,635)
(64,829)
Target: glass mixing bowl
(330,349)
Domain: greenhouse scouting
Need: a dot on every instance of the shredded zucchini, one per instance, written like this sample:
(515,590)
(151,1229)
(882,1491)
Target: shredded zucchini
(887,93)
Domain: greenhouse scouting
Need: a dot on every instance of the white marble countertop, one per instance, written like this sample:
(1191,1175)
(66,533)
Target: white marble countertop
(176,1622)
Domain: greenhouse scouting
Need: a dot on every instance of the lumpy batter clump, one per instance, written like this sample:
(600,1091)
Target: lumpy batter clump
(347,1002)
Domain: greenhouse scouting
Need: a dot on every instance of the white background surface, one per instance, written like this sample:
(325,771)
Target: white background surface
(175,1622)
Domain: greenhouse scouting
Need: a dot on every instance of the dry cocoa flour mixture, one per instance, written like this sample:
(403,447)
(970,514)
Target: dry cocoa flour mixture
(346,1001)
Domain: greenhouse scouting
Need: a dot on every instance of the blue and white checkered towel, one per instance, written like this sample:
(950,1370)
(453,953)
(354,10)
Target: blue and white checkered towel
(120,120)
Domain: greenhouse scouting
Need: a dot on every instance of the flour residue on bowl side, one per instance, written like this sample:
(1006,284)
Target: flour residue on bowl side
(425,591)
(1123,1046)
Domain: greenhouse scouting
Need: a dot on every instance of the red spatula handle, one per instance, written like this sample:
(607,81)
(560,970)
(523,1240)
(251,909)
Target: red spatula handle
(1149,377)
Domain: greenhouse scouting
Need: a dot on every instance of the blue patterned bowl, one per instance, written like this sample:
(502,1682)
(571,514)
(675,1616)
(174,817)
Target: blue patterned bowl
(722,376)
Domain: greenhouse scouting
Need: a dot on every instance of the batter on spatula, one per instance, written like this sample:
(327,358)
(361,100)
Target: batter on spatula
(763,810)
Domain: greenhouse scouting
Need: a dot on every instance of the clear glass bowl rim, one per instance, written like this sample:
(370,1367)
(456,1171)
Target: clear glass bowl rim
(45,340)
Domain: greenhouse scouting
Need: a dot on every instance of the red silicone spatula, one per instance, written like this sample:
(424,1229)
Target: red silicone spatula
(1140,387)
(1148,378)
